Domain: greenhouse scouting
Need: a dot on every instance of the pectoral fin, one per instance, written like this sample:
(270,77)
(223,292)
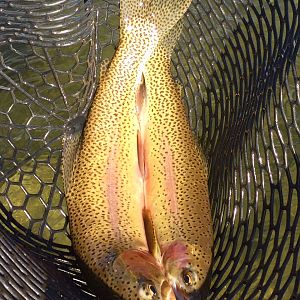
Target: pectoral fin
(71,147)
(151,237)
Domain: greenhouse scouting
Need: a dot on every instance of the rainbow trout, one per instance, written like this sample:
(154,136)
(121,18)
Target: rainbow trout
(176,179)
(104,183)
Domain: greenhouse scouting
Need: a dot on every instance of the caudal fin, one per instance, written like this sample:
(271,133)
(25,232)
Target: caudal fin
(170,39)
(162,14)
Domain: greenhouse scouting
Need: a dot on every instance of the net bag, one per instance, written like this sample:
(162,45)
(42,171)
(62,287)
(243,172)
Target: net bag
(238,62)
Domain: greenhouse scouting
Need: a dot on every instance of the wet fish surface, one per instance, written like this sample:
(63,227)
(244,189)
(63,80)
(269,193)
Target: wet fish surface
(176,181)
(104,185)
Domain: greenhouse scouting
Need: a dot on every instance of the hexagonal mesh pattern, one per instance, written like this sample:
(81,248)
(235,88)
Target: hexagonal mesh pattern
(239,64)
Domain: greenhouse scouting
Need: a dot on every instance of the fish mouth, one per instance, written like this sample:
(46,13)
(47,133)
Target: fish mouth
(179,294)
(182,295)
(199,294)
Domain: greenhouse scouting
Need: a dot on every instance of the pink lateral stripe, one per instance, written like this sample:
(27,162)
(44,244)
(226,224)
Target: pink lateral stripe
(111,191)
(170,178)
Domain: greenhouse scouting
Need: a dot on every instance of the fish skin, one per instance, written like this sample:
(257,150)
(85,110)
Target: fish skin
(177,179)
(105,188)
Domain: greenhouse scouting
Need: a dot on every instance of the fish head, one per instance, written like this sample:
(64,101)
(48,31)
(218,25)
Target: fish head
(138,275)
(187,268)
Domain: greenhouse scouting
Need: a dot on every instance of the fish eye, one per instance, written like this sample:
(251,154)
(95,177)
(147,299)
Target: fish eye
(189,277)
(147,290)
(152,289)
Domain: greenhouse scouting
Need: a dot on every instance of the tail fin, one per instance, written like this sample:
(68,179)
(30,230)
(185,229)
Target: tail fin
(169,41)
(162,14)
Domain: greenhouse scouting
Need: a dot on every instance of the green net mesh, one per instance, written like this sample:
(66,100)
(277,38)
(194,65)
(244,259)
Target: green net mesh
(239,64)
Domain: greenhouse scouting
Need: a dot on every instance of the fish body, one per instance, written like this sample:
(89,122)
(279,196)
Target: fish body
(102,170)
(177,179)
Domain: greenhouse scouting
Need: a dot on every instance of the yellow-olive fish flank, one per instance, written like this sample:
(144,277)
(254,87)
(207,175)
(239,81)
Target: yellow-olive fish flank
(105,177)
(177,182)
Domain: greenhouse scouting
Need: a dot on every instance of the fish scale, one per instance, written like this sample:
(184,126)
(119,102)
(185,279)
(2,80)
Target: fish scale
(105,190)
(177,184)
(104,207)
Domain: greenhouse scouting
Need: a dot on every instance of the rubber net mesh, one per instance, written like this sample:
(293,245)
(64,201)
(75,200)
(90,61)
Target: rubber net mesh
(239,64)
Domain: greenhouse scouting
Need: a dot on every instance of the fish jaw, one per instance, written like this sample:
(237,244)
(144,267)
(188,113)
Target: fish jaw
(200,294)
(178,256)
(167,292)
(148,274)
(188,269)
(135,275)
